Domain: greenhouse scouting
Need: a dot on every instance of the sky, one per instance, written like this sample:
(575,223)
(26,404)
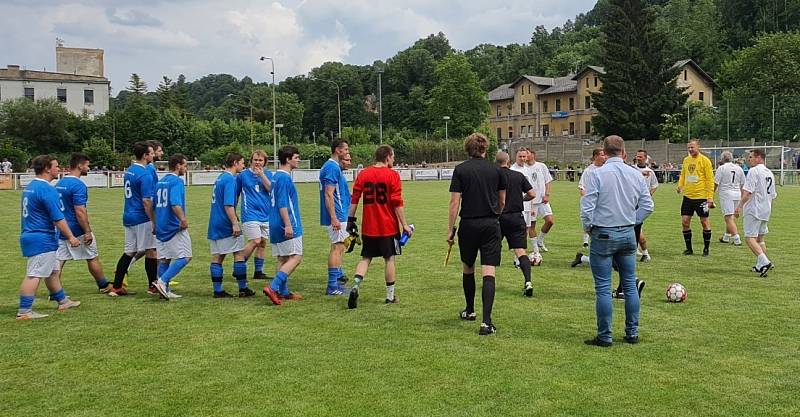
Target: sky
(199,37)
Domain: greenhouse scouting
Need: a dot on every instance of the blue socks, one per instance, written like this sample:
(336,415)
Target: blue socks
(26,303)
(258,263)
(102,283)
(216,276)
(162,267)
(59,295)
(279,283)
(240,273)
(333,276)
(174,269)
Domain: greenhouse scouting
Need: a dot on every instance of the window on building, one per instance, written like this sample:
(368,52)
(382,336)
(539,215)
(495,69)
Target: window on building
(530,106)
(587,82)
(529,88)
(685,75)
(587,102)
(499,113)
(29,93)
(595,81)
(61,95)
(571,128)
(545,130)
(88,96)
(521,108)
(544,107)
(558,104)
(499,133)
(572,103)
(587,128)
(701,95)
(530,130)
(523,131)
(522,90)
(510,132)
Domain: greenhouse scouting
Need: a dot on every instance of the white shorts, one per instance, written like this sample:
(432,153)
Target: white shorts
(255,230)
(66,252)
(288,247)
(180,246)
(227,245)
(754,227)
(337,236)
(42,265)
(139,238)
(540,210)
(727,206)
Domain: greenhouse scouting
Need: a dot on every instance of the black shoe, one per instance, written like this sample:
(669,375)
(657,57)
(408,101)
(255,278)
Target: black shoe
(464,315)
(221,294)
(246,292)
(261,275)
(618,294)
(597,342)
(577,261)
(762,272)
(352,300)
(639,287)
(392,301)
(487,329)
(585,244)
(342,280)
(631,339)
(688,252)
(705,252)
(528,290)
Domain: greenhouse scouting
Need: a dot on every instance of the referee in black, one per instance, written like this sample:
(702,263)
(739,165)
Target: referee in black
(478,188)
(512,222)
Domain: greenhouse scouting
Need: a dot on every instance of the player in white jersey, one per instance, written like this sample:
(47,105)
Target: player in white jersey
(652,184)
(598,159)
(521,165)
(729,181)
(540,180)
(758,194)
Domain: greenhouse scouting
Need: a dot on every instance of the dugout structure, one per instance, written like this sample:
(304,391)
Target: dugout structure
(778,158)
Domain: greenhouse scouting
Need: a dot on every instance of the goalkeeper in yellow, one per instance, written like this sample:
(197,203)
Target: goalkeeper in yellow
(697,185)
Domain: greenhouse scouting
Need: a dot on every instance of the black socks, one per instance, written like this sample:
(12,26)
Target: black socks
(487,296)
(687,238)
(525,266)
(469,291)
(122,268)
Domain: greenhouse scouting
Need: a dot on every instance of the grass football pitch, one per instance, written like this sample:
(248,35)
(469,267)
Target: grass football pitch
(730,349)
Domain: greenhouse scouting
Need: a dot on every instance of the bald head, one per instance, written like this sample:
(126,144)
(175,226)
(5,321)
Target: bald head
(501,158)
(613,146)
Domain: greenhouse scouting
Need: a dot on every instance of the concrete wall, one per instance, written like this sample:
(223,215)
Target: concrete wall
(80,61)
(10,89)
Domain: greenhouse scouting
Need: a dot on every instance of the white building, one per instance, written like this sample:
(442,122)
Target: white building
(78,82)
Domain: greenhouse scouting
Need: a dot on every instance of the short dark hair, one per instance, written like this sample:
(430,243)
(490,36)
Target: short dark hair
(287,152)
(175,160)
(155,144)
(641,150)
(383,153)
(596,152)
(613,146)
(42,163)
(476,145)
(337,143)
(232,158)
(77,159)
(141,148)
(759,153)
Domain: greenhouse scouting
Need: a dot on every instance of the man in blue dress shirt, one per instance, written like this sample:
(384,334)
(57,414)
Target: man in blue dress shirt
(41,208)
(617,198)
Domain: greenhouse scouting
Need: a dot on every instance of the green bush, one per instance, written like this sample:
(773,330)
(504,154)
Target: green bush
(18,157)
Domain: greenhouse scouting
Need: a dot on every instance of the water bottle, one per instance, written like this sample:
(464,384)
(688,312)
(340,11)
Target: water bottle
(404,238)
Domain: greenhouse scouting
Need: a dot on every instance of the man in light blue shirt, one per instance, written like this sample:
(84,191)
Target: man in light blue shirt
(616,199)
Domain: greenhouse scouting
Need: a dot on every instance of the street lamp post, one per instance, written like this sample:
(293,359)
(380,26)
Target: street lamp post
(250,103)
(279,126)
(274,129)
(338,103)
(446,141)
(380,106)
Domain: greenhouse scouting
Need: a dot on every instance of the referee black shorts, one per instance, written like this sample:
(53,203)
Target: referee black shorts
(514,230)
(690,206)
(380,247)
(482,234)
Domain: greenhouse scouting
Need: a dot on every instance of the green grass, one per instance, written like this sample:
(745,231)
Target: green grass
(730,349)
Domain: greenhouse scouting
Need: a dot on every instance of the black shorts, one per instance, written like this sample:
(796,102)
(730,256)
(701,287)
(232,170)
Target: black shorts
(637,230)
(514,230)
(482,235)
(691,206)
(380,247)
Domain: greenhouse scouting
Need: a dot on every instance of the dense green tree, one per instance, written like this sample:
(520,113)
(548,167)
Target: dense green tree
(639,84)
(457,94)
(39,127)
(136,85)
(166,92)
(692,29)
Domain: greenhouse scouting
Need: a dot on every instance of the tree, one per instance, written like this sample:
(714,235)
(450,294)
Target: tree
(38,127)
(639,84)
(693,30)
(457,94)
(166,92)
(136,85)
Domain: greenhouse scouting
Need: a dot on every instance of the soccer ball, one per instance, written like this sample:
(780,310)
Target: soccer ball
(676,293)
(536,259)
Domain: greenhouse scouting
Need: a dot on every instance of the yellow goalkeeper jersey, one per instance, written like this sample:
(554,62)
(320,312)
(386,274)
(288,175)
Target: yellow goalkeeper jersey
(697,178)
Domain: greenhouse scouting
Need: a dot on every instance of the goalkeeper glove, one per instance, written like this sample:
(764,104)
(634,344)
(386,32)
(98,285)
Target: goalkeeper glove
(351,225)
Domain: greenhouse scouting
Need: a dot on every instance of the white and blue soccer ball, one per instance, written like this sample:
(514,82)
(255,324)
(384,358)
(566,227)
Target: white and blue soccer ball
(676,293)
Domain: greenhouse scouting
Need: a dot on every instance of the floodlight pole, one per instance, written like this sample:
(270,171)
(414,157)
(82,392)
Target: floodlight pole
(380,106)
(274,129)
(446,142)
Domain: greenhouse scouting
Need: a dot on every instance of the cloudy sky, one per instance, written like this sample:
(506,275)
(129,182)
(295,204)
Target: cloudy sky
(199,37)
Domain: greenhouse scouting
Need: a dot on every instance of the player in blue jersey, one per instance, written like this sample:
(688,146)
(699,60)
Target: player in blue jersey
(75,196)
(224,231)
(256,183)
(174,242)
(334,201)
(285,227)
(41,208)
(138,219)
(158,152)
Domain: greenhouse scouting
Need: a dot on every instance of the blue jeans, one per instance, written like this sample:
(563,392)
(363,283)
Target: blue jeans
(617,244)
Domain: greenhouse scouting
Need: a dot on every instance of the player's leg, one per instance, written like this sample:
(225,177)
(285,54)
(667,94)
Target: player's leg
(687,211)
(549,221)
(292,252)
(585,240)
(706,223)
(361,271)
(96,270)
(57,292)
(390,275)
(641,239)
(124,262)
(240,273)
(580,258)
(259,260)
(490,249)
(27,295)
(145,232)
(733,229)
(335,256)
(468,250)
(217,272)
